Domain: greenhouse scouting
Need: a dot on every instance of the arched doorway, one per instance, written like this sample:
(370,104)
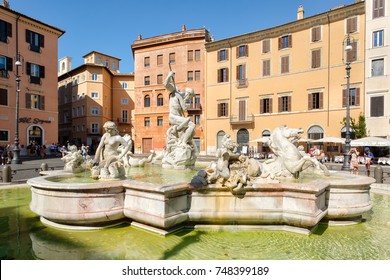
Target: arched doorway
(220,136)
(243,140)
(35,135)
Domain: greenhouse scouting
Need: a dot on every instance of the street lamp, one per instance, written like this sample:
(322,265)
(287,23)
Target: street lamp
(347,147)
(16,151)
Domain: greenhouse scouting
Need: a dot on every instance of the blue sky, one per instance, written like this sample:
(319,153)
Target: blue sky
(112,26)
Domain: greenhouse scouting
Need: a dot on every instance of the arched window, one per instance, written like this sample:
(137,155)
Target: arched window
(147,101)
(352,134)
(220,135)
(160,100)
(315,132)
(266,133)
(242,138)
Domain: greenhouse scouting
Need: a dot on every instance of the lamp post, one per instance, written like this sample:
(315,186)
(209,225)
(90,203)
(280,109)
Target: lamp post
(16,151)
(347,147)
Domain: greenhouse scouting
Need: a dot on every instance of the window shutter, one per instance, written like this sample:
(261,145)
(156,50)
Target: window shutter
(219,56)
(9,64)
(279,43)
(28,100)
(237,52)
(246,50)
(41,71)
(219,75)
(310,101)
(28,36)
(270,105)
(261,106)
(238,72)
(28,68)
(227,54)
(280,104)
(290,41)
(9,29)
(321,96)
(344,97)
(242,111)
(357,97)
(42,41)
(219,109)
(289,103)
(42,98)
(227,74)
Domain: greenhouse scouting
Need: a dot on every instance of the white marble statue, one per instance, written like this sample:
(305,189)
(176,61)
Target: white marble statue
(108,161)
(180,152)
(73,160)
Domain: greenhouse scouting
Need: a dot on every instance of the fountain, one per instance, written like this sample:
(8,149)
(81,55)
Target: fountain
(292,191)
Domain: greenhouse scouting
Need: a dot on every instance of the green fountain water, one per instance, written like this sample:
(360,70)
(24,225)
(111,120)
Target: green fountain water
(23,236)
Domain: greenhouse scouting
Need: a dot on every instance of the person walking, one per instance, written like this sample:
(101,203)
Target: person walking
(354,161)
(368,157)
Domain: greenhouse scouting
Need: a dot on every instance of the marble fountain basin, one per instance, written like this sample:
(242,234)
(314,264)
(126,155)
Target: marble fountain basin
(294,206)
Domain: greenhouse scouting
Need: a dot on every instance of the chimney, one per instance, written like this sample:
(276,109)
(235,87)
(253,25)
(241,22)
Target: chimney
(183,28)
(140,37)
(300,13)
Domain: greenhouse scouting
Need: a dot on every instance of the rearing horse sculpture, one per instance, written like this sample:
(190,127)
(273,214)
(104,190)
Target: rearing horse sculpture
(288,160)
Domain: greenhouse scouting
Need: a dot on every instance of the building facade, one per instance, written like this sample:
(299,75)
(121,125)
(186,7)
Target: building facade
(92,94)
(184,53)
(293,75)
(377,68)
(28,80)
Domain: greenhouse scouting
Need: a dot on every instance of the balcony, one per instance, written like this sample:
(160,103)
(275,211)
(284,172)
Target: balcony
(194,107)
(122,121)
(243,83)
(239,120)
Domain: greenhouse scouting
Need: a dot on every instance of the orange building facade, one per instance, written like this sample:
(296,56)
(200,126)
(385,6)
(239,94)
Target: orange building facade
(92,94)
(293,75)
(184,53)
(28,68)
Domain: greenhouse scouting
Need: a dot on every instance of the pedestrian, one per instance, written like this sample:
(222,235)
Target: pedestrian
(368,157)
(354,161)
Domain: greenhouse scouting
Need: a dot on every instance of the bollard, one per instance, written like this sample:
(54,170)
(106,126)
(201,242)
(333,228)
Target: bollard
(378,174)
(6,174)
(44,167)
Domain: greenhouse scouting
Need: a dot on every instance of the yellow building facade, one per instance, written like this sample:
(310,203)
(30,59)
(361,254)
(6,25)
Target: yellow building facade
(28,80)
(293,75)
(92,94)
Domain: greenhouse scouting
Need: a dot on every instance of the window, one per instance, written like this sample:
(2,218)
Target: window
(147,101)
(223,75)
(147,121)
(378,8)
(113,66)
(94,77)
(5,66)
(147,80)
(3,97)
(377,67)
(266,46)
(315,132)
(316,34)
(159,121)
(124,101)
(354,97)
(197,55)
(242,110)
(147,61)
(159,59)
(159,79)
(35,101)
(377,39)
(285,64)
(35,40)
(4,135)
(284,104)
(223,109)
(241,73)
(160,100)
(266,67)
(190,55)
(242,51)
(94,95)
(94,128)
(172,58)
(125,116)
(285,42)
(352,25)
(315,59)
(377,106)
(94,111)
(190,76)
(124,85)
(106,63)
(197,119)
(223,55)
(36,72)
(315,100)
(5,31)
(197,75)
(265,105)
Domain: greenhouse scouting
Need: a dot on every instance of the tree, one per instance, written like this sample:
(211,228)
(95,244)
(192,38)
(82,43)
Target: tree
(359,127)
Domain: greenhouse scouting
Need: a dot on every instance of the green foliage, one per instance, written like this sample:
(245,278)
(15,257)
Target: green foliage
(359,126)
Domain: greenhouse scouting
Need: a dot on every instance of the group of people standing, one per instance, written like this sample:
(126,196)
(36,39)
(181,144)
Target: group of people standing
(354,160)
